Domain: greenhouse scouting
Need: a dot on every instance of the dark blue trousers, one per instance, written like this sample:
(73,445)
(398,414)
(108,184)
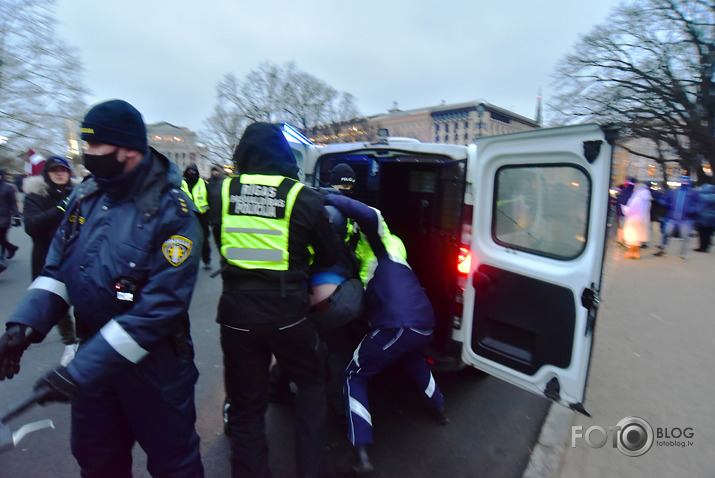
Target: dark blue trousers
(378,350)
(151,404)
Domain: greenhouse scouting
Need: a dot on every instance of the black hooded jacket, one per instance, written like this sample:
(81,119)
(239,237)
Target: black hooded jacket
(42,216)
(264,150)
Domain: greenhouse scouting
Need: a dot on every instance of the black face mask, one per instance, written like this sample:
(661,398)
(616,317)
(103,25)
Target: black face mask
(103,166)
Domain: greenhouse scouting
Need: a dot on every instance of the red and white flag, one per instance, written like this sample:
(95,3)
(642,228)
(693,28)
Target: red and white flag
(35,163)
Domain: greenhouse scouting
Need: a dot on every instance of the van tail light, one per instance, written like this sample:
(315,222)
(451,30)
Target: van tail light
(464,265)
(464,260)
(464,257)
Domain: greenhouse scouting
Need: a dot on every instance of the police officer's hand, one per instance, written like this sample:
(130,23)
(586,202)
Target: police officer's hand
(57,385)
(12,344)
(16,221)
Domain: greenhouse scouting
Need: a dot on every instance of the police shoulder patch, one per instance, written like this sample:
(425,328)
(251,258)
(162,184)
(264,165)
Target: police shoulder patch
(176,249)
(183,206)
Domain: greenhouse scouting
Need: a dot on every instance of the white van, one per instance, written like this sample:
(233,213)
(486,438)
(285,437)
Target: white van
(507,238)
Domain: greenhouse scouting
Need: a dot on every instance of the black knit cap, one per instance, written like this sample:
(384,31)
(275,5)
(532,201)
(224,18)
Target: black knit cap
(342,174)
(115,122)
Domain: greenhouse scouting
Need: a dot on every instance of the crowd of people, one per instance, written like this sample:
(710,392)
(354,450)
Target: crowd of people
(312,280)
(677,213)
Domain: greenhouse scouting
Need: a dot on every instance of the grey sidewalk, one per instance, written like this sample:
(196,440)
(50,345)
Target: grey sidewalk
(653,358)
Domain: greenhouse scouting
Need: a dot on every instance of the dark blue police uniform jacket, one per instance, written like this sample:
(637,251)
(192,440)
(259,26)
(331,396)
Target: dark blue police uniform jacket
(125,256)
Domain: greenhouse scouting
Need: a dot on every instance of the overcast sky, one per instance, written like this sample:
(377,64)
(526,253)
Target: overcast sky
(166,56)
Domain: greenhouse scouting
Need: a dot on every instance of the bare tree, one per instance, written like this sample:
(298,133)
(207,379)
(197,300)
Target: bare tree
(40,78)
(272,93)
(650,67)
(222,130)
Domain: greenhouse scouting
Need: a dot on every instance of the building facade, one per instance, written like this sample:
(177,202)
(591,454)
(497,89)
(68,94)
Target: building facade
(461,123)
(179,145)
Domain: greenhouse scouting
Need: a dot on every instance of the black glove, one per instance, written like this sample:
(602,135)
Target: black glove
(16,221)
(12,344)
(56,386)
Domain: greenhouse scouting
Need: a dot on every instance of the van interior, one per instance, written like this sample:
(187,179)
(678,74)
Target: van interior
(421,200)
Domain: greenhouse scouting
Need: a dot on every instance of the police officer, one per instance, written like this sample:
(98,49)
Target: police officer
(195,187)
(213,189)
(268,221)
(401,322)
(337,296)
(124,256)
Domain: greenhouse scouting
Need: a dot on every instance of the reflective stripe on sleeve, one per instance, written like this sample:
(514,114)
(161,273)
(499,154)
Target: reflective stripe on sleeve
(358,409)
(51,285)
(122,342)
(429,391)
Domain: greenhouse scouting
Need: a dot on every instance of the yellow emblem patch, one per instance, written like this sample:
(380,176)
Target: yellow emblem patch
(176,249)
(88,130)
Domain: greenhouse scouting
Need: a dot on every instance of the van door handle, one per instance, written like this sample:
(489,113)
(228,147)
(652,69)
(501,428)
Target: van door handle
(482,281)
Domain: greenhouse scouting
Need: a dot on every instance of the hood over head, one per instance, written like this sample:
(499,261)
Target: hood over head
(264,150)
(191,168)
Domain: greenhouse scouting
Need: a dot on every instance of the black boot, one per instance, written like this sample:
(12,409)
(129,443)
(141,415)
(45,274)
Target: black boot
(440,416)
(363,465)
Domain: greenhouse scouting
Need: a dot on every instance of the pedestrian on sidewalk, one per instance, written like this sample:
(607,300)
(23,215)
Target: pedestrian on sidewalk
(705,216)
(9,216)
(624,194)
(681,205)
(636,227)
(43,209)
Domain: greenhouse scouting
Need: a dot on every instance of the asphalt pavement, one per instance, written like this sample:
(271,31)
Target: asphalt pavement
(652,361)
(493,427)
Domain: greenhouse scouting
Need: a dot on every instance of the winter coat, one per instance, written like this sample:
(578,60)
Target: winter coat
(42,216)
(636,227)
(126,257)
(682,203)
(394,297)
(705,215)
(276,297)
(213,191)
(624,194)
(8,202)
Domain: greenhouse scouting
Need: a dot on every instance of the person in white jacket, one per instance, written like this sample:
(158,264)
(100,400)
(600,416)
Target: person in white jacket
(636,228)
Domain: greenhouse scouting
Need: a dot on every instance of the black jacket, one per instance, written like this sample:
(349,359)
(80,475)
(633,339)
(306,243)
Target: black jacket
(264,150)
(8,202)
(42,216)
(213,195)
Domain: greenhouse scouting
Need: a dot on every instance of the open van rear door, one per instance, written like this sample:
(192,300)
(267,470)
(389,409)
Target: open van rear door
(538,242)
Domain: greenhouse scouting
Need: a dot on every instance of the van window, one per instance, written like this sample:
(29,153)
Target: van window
(542,209)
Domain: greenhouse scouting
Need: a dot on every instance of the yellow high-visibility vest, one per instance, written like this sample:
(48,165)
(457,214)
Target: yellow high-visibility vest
(197,194)
(255,220)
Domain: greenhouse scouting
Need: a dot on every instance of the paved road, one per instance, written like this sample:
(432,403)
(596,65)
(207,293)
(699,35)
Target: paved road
(494,425)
